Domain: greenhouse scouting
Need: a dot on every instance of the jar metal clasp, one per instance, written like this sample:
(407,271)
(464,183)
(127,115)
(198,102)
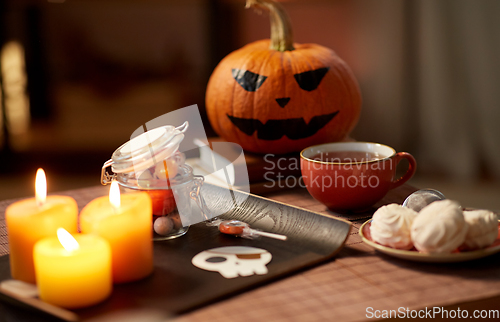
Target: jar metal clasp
(106,178)
(196,195)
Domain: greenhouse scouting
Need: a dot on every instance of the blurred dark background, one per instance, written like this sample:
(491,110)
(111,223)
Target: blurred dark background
(79,76)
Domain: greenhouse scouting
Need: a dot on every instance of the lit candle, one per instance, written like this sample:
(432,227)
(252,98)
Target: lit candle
(73,271)
(125,222)
(33,219)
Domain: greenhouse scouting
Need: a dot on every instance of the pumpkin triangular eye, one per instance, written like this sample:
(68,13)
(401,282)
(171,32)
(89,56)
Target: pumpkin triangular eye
(310,80)
(248,80)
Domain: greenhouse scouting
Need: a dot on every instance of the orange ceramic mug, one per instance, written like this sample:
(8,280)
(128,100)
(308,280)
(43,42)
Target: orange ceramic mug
(352,176)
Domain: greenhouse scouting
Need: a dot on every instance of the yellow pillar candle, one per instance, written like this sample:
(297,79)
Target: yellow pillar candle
(32,219)
(73,271)
(125,222)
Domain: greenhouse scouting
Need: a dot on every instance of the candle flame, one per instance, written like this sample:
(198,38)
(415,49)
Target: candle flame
(40,187)
(114,195)
(67,240)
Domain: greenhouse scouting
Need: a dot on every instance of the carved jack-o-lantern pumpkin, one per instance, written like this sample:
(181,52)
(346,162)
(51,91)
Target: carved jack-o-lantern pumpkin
(274,96)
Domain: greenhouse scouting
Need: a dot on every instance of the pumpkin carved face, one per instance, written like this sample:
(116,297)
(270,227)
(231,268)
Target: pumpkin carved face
(275,129)
(272,101)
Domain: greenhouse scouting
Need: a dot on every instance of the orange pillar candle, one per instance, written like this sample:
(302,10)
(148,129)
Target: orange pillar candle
(125,222)
(32,219)
(73,271)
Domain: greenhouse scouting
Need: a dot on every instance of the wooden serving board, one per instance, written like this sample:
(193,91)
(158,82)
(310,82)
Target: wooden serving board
(176,286)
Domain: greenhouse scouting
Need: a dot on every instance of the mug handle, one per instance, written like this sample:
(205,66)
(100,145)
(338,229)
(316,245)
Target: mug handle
(412,167)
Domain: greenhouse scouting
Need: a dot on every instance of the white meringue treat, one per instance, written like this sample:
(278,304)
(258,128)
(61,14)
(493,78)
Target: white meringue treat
(483,229)
(391,226)
(439,228)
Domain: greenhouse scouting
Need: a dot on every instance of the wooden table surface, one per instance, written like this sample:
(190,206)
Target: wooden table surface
(351,287)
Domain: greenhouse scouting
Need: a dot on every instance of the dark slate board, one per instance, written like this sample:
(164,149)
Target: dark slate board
(176,286)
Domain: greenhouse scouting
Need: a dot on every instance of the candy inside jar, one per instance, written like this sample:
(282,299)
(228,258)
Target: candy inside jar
(164,187)
(164,182)
(151,162)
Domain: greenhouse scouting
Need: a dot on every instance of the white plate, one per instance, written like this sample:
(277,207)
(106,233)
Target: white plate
(415,255)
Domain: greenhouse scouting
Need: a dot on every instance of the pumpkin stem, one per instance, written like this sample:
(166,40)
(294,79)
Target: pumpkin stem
(281,27)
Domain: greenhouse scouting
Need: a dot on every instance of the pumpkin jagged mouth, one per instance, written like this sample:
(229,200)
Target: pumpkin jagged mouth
(294,128)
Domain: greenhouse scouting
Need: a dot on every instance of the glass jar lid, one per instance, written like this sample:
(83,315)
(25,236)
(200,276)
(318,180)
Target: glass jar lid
(147,149)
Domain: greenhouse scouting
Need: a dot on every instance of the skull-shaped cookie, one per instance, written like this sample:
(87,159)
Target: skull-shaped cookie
(234,261)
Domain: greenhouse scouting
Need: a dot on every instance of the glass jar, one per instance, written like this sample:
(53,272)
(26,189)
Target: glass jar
(150,162)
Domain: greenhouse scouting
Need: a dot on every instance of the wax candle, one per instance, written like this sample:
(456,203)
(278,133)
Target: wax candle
(125,222)
(73,271)
(32,219)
